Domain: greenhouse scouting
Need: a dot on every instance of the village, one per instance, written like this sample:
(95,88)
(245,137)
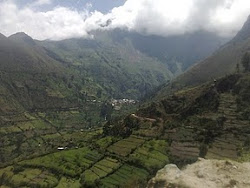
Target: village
(118,103)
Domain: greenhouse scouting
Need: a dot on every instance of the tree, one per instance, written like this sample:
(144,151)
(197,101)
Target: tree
(245,61)
(106,110)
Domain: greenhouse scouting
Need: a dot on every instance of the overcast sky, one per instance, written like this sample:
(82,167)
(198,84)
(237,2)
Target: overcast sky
(61,19)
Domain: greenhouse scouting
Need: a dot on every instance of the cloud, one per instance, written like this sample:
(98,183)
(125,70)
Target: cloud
(59,23)
(40,3)
(159,17)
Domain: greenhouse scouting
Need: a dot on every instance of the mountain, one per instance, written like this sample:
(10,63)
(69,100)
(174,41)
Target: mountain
(112,58)
(120,70)
(52,97)
(222,62)
(24,69)
(47,75)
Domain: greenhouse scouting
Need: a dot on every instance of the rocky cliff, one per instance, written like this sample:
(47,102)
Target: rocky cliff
(203,174)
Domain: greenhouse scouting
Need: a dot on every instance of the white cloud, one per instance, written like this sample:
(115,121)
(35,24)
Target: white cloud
(59,23)
(160,17)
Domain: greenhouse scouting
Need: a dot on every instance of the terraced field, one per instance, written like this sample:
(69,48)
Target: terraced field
(99,170)
(69,163)
(29,177)
(126,146)
(127,175)
(88,167)
(152,155)
(27,135)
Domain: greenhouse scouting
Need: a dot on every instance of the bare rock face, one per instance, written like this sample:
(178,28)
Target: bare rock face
(204,174)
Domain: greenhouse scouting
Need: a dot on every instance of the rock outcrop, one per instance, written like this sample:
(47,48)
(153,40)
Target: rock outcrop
(203,174)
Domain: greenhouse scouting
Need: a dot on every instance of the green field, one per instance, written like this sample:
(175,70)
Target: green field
(91,160)
(68,163)
(100,170)
(152,155)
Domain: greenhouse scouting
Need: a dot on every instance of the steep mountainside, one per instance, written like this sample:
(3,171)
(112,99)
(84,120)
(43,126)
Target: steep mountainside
(39,92)
(222,62)
(27,73)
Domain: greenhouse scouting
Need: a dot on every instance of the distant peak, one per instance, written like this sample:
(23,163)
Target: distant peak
(20,34)
(22,37)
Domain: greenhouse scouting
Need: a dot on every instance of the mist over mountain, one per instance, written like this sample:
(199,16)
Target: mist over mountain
(62,20)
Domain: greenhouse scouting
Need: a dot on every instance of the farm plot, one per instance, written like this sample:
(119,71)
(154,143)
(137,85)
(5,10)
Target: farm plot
(126,176)
(68,163)
(27,177)
(126,146)
(152,155)
(100,170)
